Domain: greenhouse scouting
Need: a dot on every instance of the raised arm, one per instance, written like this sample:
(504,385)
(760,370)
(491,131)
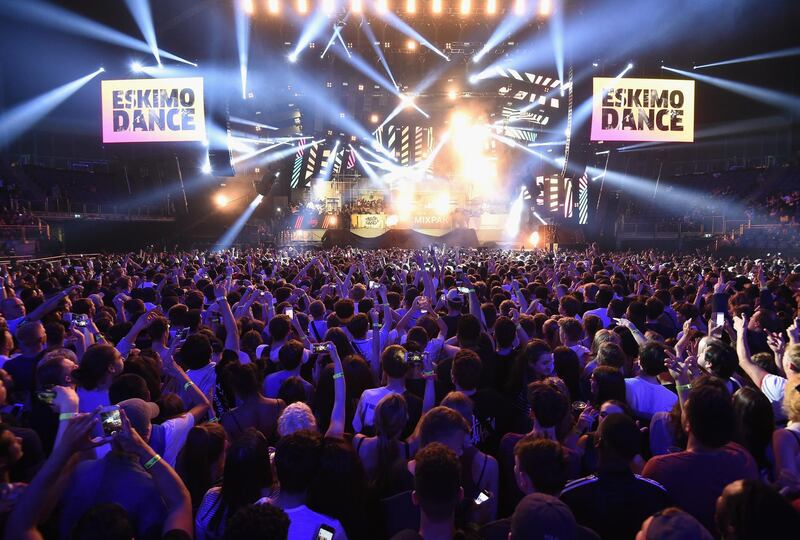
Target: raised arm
(231,330)
(168,483)
(336,426)
(375,361)
(429,374)
(189,391)
(754,371)
(50,304)
(36,503)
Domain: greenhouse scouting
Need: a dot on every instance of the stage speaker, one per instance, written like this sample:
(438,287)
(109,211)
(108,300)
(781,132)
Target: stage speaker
(220,161)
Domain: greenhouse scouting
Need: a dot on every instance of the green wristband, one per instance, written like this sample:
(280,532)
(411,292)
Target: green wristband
(151,462)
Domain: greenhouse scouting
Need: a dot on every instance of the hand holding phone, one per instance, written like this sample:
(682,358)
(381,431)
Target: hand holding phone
(110,420)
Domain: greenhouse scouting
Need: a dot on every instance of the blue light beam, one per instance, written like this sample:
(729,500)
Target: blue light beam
(758,93)
(19,119)
(794,51)
(140,10)
(44,14)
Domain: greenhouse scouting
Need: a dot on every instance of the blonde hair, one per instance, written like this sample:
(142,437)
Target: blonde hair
(791,400)
(296,417)
(792,355)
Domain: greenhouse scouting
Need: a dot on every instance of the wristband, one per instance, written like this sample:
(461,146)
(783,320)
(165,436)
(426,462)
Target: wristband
(220,299)
(151,462)
(376,327)
(188,384)
(428,374)
(67,415)
(338,375)
(213,420)
(683,387)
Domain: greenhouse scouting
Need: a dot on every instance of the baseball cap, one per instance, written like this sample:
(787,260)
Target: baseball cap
(675,524)
(139,412)
(543,517)
(454,296)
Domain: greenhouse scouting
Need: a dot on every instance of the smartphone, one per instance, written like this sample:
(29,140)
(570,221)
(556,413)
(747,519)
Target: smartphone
(182,334)
(46,395)
(374,285)
(719,319)
(482,497)
(80,320)
(110,419)
(319,348)
(463,290)
(325,533)
(413,357)
(289,312)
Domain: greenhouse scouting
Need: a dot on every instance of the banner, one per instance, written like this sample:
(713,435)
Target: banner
(153,110)
(431,222)
(368,221)
(643,110)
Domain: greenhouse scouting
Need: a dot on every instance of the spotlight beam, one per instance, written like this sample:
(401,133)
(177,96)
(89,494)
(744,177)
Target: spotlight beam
(19,119)
(507,27)
(230,235)
(251,155)
(365,26)
(246,122)
(285,152)
(556,24)
(242,23)
(337,29)
(794,51)
(140,10)
(401,26)
(366,166)
(48,15)
(312,28)
(758,93)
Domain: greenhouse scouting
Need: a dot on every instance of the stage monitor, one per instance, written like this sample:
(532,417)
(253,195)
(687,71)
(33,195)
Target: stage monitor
(643,110)
(153,110)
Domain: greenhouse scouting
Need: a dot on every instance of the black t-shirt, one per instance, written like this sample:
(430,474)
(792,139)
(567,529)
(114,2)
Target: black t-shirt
(492,419)
(615,502)
(665,331)
(460,534)
(451,321)
(23,370)
(503,364)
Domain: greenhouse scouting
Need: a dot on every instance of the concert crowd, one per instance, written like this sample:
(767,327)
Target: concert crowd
(395,394)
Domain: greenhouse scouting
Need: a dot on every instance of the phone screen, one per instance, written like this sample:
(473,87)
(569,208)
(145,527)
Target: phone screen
(289,312)
(720,319)
(482,497)
(325,533)
(110,420)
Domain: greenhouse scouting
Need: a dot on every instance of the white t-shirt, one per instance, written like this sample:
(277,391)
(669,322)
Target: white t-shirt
(582,352)
(205,378)
(365,412)
(304,523)
(774,386)
(602,313)
(649,398)
(175,432)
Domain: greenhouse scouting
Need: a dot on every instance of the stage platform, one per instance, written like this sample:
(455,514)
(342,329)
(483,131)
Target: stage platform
(399,238)
(314,236)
